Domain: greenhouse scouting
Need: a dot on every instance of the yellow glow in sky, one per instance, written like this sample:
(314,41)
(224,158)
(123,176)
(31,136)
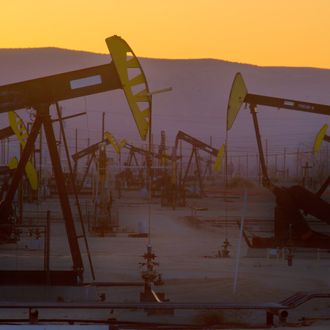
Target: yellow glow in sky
(262,32)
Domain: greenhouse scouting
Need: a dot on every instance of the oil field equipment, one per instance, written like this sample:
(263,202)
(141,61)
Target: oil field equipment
(91,152)
(39,94)
(199,174)
(130,179)
(291,228)
(5,170)
(320,137)
(103,221)
(151,277)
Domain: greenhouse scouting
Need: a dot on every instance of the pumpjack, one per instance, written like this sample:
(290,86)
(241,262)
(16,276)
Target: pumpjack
(320,137)
(5,171)
(197,146)
(134,151)
(131,180)
(291,228)
(92,152)
(103,199)
(102,222)
(127,177)
(40,94)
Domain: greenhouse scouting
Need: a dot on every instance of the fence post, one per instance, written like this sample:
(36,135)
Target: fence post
(284,163)
(247,166)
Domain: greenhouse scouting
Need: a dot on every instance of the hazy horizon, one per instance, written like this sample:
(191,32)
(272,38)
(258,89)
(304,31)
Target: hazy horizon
(196,105)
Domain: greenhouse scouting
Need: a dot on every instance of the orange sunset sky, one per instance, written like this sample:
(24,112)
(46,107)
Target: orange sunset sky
(262,32)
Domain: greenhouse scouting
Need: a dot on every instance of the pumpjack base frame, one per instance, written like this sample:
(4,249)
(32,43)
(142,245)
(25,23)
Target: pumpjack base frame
(291,228)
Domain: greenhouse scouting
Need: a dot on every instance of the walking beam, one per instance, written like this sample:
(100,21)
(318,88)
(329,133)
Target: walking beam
(239,95)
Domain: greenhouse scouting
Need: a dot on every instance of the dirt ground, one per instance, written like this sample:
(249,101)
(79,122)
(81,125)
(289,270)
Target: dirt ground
(186,242)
